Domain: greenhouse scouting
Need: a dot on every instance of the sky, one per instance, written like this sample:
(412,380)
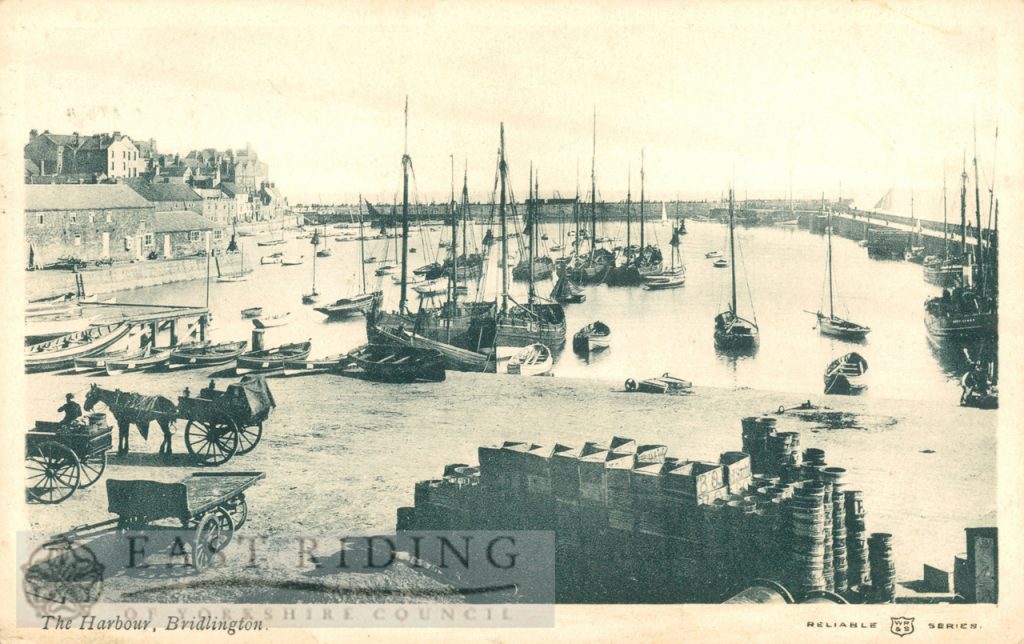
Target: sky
(821,98)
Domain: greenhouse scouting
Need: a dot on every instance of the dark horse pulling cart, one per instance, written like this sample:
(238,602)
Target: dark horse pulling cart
(224,423)
(210,505)
(63,458)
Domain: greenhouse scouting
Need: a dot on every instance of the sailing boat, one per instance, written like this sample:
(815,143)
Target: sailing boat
(946,271)
(832,324)
(519,325)
(325,251)
(733,333)
(241,275)
(672,277)
(593,268)
(313,296)
(362,301)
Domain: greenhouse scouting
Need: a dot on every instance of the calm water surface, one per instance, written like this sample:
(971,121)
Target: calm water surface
(652,332)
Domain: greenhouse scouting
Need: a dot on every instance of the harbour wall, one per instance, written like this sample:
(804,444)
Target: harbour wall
(119,277)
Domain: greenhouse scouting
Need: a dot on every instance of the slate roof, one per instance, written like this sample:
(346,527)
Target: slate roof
(97,196)
(163,191)
(231,189)
(178,221)
(210,193)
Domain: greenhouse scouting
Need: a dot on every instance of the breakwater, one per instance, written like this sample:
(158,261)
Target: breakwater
(119,277)
(634,524)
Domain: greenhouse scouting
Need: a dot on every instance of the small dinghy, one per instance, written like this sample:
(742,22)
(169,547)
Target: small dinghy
(593,337)
(252,312)
(713,253)
(394,364)
(271,321)
(293,261)
(98,362)
(432,287)
(204,354)
(271,359)
(533,360)
(310,366)
(270,259)
(721,263)
(663,384)
(846,375)
(153,359)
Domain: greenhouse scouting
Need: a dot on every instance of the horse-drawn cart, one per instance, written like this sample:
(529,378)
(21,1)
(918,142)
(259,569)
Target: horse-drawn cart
(224,423)
(63,458)
(210,506)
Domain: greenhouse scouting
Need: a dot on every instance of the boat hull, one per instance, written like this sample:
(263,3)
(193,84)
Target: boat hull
(841,329)
(209,356)
(308,367)
(124,365)
(49,356)
(270,360)
(348,307)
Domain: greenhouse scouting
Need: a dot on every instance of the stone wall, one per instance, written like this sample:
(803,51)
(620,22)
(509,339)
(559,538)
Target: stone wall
(60,233)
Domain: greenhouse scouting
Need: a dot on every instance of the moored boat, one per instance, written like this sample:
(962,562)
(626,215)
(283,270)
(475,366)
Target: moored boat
(41,329)
(720,263)
(60,352)
(846,375)
(271,359)
(204,354)
(394,364)
(348,306)
(733,333)
(532,360)
(593,337)
(252,312)
(314,365)
(293,261)
(100,360)
(270,321)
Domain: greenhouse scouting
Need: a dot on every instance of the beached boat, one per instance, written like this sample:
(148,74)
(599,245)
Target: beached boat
(533,360)
(455,358)
(310,366)
(43,328)
(846,375)
(593,337)
(663,384)
(270,242)
(204,354)
(60,353)
(271,359)
(271,321)
(394,364)
(154,358)
(100,360)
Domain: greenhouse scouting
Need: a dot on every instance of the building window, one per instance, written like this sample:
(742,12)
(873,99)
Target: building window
(39,220)
(147,240)
(92,217)
(74,217)
(217,234)
(78,240)
(108,217)
(193,235)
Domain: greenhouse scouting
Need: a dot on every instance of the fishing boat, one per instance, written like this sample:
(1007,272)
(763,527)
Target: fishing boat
(713,253)
(270,259)
(454,358)
(241,275)
(99,361)
(532,360)
(429,271)
(61,352)
(271,359)
(369,260)
(672,277)
(947,271)
(311,366)
(270,321)
(270,242)
(846,375)
(593,337)
(394,364)
(565,292)
(252,312)
(832,324)
(153,358)
(357,303)
(293,261)
(386,269)
(204,354)
(733,333)
(432,287)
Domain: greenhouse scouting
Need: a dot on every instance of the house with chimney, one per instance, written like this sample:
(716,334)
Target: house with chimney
(62,158)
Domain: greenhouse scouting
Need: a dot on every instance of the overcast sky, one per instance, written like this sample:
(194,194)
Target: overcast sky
(865,96)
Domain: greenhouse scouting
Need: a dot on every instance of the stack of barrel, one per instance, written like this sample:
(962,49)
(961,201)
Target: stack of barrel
(755,441)
(807,542)
(857,539)
(829,571)
(883,568)
(839,532)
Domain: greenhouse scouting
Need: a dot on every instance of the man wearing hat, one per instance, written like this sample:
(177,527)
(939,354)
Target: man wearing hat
(72,410)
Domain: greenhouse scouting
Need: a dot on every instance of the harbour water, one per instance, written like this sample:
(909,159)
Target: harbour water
(652,332)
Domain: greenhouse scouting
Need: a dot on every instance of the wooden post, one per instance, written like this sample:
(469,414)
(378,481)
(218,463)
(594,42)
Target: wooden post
(153,329)
(202,328)
(174,334)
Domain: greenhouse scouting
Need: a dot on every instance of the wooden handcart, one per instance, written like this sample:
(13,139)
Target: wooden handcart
(63,458)
(210,505)
(222,423)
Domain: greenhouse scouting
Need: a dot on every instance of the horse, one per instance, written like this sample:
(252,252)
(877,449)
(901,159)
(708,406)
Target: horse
(131,408)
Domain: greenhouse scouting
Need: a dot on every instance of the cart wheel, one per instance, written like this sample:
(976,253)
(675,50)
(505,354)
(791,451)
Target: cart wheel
(212,534)
(238,509)
(213,442)
(249,437)
(92,467)
(53,472)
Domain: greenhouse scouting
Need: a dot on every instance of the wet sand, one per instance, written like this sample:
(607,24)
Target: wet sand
(342,455)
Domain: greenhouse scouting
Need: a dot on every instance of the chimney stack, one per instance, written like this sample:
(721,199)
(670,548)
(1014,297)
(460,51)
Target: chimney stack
(33,134)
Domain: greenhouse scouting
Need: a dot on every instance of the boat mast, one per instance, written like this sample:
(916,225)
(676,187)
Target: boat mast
(465,207)
(945,231)
(977,212)
(963,208)
(454,268)
(406,161)
(641,202)
(593,190)
(501,213)
(362,257)
(576,212)
(732,253)
(831,307)
(532,232)
(629,218)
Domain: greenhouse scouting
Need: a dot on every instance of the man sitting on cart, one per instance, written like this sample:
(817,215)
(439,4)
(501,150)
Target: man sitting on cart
(72,411)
